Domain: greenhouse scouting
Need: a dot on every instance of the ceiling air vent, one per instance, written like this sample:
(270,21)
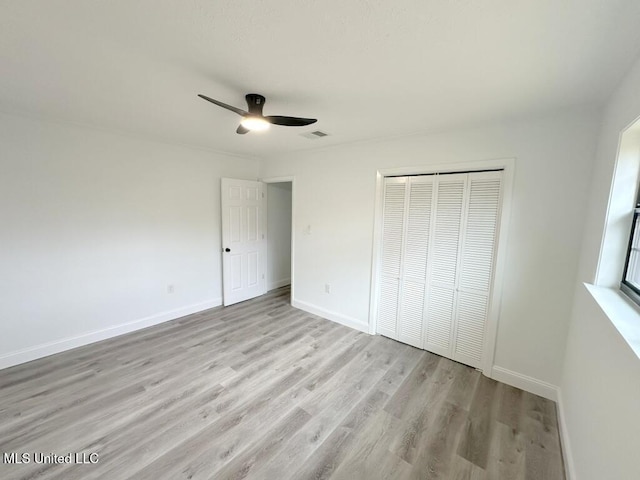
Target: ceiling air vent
(314,135)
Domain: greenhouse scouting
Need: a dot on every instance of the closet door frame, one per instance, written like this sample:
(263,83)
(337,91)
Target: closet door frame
(508,167)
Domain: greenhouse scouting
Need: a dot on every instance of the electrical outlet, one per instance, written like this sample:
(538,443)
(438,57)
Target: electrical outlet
(327,288)
(171,288)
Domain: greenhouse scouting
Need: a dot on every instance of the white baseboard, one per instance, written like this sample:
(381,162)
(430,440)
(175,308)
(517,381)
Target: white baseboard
(524,382)
(333,316)
(278,283)
(567,456)
(57,346)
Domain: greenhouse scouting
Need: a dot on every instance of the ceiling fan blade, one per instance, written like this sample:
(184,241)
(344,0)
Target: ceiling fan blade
(241,130)
(239,111)
(290,121)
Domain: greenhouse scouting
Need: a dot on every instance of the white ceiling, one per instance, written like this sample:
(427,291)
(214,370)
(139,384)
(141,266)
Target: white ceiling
(365,68)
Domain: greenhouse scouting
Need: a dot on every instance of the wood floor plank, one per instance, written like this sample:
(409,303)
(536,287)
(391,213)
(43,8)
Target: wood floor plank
(370,457)
(262,390)
(465,380)
(145,436)
(462,469)
(474,445)
(418,379)
(507,454)
(338,362)
(240,466)
(197,458)
(420,412)
(543,454)
(437,448)
(328,456)
(406,360)
(328,407)
(510,410)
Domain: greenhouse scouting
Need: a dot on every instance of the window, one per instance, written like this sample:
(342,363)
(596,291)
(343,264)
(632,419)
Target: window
(631,276)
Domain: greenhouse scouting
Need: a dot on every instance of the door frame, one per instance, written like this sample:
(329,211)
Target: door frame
(291,179)
(508,167)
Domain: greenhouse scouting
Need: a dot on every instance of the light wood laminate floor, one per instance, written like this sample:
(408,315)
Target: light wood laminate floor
(261,390)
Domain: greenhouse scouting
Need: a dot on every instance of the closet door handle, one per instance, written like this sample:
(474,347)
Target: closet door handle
(227,250)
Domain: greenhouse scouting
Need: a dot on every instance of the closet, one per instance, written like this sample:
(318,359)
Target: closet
(439,235)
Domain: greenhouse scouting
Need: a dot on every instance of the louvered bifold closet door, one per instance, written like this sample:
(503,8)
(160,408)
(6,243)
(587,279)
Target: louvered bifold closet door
(439,235)
(445,255)
(413,277)
(479,234)
(393,226)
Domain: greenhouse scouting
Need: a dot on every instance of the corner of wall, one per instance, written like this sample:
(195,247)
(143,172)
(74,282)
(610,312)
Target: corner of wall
(551,392)
(278,284)
(525,382)
(565,442)
(333,316)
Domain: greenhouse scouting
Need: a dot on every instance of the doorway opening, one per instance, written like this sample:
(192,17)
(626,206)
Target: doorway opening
(279,215)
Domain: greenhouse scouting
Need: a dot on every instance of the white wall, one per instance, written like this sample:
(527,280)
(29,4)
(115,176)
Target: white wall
(278,234)
(95,226)
(334,215)
(601,380)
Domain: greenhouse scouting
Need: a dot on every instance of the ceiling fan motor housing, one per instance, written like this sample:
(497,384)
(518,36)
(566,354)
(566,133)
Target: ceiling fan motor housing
(255,103)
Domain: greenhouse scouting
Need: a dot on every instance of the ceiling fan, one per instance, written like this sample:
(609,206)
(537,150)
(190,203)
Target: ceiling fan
(253,118)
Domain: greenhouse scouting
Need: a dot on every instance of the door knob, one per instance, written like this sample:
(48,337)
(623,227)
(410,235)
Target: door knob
(227,249)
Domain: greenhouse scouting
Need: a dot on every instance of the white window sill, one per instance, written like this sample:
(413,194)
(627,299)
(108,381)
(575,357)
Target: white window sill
(624,315)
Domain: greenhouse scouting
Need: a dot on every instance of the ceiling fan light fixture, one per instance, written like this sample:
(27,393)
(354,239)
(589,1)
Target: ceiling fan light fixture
(255,124)
(253,118)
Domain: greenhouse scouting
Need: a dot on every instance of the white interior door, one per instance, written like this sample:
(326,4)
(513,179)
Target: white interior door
(243,240)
